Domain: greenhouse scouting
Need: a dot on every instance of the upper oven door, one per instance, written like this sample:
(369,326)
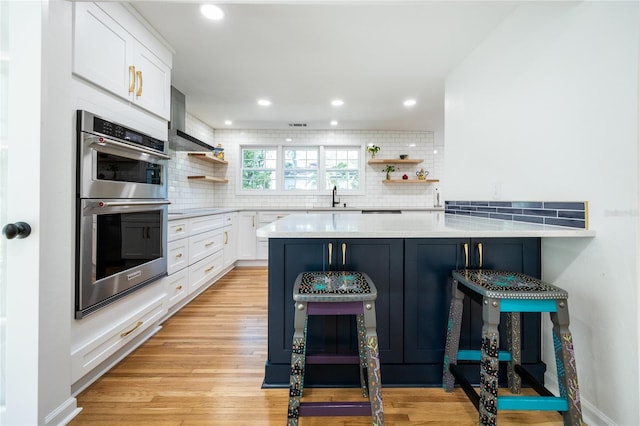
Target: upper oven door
(113,169)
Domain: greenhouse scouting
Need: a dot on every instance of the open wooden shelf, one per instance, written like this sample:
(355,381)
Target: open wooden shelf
(209,179)
(410,180)
(207,156)
(395,161)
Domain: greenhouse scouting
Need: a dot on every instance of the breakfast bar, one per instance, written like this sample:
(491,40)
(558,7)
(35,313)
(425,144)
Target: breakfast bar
(409,257)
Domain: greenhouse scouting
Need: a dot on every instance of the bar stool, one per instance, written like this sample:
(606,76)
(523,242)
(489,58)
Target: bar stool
(336,293)
(502,291)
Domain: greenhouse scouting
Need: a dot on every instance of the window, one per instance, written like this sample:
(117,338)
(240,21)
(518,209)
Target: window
(342,168)
(259,168)
(300,168)
(305,169)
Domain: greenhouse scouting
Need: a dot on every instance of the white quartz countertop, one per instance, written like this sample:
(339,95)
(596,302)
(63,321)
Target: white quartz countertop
(426,225)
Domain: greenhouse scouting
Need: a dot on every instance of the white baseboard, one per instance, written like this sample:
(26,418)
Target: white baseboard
(64,413)
(590,413)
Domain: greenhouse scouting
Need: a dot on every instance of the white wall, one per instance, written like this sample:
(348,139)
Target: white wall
(186,194)
(546,108)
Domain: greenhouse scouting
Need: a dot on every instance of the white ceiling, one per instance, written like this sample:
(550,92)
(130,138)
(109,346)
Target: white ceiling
(373,55)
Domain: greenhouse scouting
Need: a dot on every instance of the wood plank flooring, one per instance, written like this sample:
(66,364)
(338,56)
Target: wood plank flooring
(206,365)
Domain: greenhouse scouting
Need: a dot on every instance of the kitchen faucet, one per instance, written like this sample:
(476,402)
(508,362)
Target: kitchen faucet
(333,197)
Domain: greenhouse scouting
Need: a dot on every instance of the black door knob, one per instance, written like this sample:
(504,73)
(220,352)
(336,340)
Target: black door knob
(16,230)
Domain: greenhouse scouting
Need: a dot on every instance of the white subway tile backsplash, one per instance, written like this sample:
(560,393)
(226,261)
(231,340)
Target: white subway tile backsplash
(186,194)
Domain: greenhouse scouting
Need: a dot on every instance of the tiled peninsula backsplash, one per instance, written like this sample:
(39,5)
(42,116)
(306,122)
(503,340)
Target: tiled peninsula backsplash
(190,194)
(567,213)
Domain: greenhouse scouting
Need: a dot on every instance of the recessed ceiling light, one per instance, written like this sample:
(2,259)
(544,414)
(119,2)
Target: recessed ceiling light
(334,123)
(409,102)
(264,102)
(228,122)
(212,12)
(435,151)
(337,102)
(288,139)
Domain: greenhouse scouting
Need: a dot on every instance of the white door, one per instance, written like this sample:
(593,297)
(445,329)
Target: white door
(20,29)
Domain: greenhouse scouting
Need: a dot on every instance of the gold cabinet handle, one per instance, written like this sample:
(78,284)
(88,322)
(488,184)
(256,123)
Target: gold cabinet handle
(479,245)
(139,75)
(179,229)
(253,221)
(179,288)
(330,246)
(465,247)
(344,254)
(226,237)
(209,269)
(135,327)
(132,78)
(179,255)
(209,244)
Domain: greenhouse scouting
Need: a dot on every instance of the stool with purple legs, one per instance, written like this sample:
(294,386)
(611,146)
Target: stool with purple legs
(510,292)
(336,293)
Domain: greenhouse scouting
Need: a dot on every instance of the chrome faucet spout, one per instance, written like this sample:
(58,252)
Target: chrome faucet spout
(333,197)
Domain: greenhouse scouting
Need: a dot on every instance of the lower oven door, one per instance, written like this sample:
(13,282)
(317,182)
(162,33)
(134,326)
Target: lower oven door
(122,246)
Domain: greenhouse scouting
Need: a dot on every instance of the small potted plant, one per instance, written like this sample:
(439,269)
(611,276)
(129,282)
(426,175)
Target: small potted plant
(388,169)
(373,150)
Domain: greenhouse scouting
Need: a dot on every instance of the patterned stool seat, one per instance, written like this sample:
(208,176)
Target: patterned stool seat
(513,293)
(336,293)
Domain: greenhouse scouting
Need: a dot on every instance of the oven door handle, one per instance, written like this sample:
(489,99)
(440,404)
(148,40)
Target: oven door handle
(101,140)
(132,203)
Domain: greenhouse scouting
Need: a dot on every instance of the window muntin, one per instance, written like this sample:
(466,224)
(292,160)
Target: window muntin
(304,169)
(301,168)
(259,168)
(342,168)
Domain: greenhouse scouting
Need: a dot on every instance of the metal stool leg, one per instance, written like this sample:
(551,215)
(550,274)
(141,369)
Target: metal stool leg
(373,370)
(566,364)
(298,353)
(514,345)
(362,351)
(453,337)
(489,362)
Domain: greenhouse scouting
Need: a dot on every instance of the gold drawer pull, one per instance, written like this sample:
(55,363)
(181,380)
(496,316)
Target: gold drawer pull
(179,229)
(226,237)
(209,244)
(179,255)
(126,333)
(209,269)
(179,288)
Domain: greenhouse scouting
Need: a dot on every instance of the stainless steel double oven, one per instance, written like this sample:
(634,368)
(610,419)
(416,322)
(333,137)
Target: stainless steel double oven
(121,240)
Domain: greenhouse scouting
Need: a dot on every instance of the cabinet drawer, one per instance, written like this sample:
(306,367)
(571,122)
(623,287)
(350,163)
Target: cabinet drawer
(262,249)
(204,271)
(205,244)
(177,287)
(201,224)
(177,255)
(229,218)
(178,229)
(90,355)
(268,217)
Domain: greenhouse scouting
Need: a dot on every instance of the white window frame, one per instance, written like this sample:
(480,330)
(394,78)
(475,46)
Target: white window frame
(321,169)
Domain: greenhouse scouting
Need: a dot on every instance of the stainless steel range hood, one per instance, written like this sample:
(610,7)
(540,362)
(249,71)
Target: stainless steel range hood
(179,140)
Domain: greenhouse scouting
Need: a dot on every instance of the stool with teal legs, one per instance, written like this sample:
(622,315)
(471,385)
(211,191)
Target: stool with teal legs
(513,293)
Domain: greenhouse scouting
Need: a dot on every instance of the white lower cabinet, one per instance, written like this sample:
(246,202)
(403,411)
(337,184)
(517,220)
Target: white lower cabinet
(99,340)
(230,241)
(247,222)
(196,252)
(265,218)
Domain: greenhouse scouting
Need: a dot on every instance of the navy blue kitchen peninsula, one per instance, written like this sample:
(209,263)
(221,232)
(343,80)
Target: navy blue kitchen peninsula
(409,258)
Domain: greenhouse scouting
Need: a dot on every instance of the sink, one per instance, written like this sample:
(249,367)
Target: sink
(381,211)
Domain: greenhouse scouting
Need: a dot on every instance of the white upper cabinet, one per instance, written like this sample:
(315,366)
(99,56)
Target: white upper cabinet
(115,52)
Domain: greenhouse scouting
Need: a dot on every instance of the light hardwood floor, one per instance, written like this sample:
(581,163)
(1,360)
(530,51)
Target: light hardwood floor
(205,367)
